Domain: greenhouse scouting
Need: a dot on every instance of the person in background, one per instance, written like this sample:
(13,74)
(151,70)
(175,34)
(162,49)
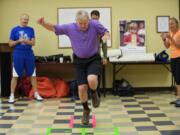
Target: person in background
(141,33)
(22,38)
(131,38)
(83,35)
(96,16)
(171,40)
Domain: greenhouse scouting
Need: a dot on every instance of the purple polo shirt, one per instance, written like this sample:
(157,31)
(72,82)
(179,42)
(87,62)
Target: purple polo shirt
(84,43)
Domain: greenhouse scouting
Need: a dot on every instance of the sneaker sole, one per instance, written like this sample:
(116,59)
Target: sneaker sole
(11,102)
(39,100)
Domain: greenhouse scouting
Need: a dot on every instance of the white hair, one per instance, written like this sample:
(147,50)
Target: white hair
(82,15)
(24,15)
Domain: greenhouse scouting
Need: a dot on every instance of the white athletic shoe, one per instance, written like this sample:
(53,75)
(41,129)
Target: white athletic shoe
(37,96)
(11,99)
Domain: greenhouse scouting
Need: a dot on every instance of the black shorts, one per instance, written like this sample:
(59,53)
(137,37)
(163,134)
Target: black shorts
(87,66)
(175,68)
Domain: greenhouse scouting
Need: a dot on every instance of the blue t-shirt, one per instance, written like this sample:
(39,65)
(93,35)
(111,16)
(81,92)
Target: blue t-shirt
(22,32)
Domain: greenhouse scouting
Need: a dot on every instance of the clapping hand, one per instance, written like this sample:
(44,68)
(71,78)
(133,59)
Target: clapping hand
(41,21)
(22,40)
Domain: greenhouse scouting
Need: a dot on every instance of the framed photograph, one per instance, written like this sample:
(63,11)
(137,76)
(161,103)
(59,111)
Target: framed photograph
(132,36)
(67,15)
(162,24)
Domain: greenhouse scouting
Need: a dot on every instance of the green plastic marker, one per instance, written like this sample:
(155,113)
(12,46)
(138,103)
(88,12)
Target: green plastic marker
(116,131)
(83,131)
(48,132)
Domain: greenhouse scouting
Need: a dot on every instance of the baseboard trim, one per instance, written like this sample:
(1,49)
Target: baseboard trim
(142,89)
(155,88)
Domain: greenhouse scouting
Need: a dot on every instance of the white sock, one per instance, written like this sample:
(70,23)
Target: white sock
(36,93)
(12,95)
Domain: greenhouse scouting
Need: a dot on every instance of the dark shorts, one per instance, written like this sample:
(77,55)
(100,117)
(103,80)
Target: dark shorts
(175,67)
(87,66)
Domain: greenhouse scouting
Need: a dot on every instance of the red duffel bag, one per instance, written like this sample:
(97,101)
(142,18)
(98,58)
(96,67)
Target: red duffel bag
(62,88)
(45,88)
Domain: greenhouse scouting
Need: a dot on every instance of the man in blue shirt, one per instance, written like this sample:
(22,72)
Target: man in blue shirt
(83,36)
(22,38)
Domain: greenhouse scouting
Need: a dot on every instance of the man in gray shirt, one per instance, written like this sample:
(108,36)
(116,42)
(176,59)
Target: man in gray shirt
(83,36)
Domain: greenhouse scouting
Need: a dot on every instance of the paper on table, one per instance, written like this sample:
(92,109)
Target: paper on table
(145,57)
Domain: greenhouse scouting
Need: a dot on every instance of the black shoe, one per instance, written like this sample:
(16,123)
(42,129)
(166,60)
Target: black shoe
(177,104)
(174,102)
(95,99)
(85,117)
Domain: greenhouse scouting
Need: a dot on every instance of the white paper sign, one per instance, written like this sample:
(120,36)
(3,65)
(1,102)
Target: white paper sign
(162,24)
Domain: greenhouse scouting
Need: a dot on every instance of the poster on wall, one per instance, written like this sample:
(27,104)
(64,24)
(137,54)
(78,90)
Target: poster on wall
(67,15)
(162,24)
(132,36)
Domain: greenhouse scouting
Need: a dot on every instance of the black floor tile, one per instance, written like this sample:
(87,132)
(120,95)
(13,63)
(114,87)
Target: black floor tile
(146,128)
(135,112)
(140,119)
(17,104)
(6,125)
(61,130)
(173,132)
(61,121)
(4,107)
(9,117)
(78,110)
(161,123)
(64,113)
(157,115)
(128,100)
(15,111)
(151,108)
(129,106)
(66,107)
(146,102)
(82,126)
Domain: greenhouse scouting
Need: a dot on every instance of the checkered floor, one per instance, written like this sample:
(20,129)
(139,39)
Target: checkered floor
(143,114)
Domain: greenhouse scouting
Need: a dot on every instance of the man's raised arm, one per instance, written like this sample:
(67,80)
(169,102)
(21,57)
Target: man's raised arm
(45,24)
